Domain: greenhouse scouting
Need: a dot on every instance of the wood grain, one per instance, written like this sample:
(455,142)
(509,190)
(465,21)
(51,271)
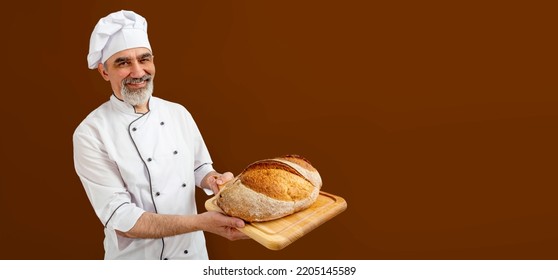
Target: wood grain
(279,233)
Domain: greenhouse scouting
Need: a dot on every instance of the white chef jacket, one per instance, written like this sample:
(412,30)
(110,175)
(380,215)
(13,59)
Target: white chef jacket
(130,163)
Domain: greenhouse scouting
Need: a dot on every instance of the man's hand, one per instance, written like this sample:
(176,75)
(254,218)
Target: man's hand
(214,179)
(222,225)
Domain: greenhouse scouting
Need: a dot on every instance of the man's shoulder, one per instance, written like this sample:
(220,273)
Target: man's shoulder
(172,106)
(92,119)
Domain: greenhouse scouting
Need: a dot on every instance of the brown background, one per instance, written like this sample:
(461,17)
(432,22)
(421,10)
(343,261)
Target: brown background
(435,120)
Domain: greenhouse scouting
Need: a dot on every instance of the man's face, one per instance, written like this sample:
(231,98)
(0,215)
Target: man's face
(131,74)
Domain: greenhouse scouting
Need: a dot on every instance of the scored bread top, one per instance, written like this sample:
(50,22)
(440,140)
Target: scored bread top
(304,168)
(274,178)
(302,162)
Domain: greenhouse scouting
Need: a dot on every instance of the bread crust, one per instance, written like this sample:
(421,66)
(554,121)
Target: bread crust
(270,189)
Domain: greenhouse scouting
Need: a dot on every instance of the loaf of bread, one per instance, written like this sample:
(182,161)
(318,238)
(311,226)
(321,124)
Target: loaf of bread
(270,189)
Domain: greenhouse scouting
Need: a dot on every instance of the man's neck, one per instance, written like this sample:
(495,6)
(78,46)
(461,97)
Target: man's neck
(141,109)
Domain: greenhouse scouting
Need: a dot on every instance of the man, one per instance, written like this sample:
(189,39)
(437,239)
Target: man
(140,157)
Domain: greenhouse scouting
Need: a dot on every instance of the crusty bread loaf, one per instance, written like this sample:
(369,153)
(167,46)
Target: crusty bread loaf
(270,189)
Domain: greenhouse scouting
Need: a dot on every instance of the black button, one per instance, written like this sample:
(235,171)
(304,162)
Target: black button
(185,251)
(184,185)
(162,123)
(175,152)
(149,159)
(134,129)
(157,193)
(166,259)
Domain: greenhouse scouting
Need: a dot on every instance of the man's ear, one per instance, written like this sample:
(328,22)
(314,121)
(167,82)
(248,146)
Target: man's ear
(103,71)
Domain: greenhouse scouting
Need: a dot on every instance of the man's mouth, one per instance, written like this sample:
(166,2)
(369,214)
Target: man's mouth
(137,82)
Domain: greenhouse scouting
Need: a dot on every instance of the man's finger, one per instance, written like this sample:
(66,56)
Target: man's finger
(238,223)
(211,179)
(236,234)
(234,222)
(215,189)
(225,177)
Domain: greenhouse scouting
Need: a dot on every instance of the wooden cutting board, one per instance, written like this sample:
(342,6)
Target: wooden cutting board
(278,234)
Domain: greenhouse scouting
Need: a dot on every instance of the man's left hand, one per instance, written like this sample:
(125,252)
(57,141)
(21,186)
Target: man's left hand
(214,179)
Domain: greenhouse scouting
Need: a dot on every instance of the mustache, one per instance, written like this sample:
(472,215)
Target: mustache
(137,80)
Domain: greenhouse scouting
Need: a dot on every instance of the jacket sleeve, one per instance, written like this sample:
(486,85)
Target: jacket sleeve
(103,183)
(202,160)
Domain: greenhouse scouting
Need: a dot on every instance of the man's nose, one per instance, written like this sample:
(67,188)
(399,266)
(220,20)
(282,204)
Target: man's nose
(137,70)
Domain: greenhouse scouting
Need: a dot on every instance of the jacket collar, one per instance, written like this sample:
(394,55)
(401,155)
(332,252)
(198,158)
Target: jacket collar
(126,108)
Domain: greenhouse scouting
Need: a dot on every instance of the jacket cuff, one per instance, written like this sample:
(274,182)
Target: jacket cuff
(200,173)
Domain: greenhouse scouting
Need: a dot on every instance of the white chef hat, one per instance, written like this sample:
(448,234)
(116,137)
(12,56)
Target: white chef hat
(116,32)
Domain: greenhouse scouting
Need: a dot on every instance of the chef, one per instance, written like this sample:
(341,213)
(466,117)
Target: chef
(140,157)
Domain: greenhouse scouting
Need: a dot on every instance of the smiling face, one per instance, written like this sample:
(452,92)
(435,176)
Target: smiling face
(130,73)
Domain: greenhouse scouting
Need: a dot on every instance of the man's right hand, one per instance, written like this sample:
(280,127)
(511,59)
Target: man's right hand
(222,225)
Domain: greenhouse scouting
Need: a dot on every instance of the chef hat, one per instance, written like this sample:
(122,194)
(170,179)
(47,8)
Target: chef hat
(116,32)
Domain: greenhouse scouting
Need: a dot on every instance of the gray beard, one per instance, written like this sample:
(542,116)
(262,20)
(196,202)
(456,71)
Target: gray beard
(138,96)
